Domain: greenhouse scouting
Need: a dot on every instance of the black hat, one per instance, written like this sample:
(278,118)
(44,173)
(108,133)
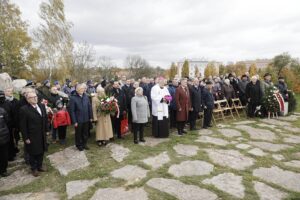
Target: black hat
(267,74)
(29,83)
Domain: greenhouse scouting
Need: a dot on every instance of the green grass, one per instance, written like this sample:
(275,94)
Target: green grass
(101,164)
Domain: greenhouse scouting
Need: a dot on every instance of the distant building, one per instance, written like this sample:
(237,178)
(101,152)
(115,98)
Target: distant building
(196,63)
(260,63)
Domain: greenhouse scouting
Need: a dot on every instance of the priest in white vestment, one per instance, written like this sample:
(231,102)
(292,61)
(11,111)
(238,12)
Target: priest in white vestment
(160,109)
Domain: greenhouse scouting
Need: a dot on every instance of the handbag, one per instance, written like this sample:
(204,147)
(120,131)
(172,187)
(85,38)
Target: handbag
(124,125)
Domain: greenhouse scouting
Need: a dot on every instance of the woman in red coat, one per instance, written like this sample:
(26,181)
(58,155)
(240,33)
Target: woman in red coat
(61,120)
(183,105)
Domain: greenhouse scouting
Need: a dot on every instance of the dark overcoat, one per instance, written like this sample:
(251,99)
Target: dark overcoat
(183,102)
(34,126)
(196,98)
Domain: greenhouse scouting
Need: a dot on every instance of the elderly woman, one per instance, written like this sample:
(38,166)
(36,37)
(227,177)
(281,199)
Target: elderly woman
(140,114)
(228,90)
(103,127)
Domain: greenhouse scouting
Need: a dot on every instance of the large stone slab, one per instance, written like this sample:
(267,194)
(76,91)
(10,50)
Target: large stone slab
(230,158)
(266,192)
(229,183)
(290,118)
(230,132)
(130,173)
(212,140)
(78,187)
(68,160)
(223,125)
(266,125)
(17,178)
(180,190)
(31,196)
(257,152)
(157,161)
(270,146)
(205,132)
(191,168)
(293,139)
(257,133)
(278,157)
(296,155)
(286,179)
(244,122)
(292,129)
(118,152)
(275,122)
(151,141)
(293,163)
(243,146)
(186,150)
(120,194)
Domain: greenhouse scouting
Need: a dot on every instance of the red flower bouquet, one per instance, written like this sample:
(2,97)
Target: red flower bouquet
(108,105)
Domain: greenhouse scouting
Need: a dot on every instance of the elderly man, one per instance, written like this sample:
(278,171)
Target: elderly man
(196,101)
(160,111)
(33,126)
(183,105)
(81,115)
(254,95)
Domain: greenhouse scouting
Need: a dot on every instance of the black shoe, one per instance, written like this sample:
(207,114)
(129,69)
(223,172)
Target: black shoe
(194,129)
(183,131)
(4,174)
(86,148)
(80,148)
(205,127)
(135,142)
(210,126)
(142,140)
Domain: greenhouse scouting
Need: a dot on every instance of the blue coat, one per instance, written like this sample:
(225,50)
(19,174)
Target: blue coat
(80,109)
(172,91)
(207,99)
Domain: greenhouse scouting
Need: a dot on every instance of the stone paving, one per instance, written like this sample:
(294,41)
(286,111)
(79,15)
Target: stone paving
(225,162)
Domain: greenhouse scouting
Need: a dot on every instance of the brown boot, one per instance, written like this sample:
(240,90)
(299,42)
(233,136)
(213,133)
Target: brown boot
(35,173)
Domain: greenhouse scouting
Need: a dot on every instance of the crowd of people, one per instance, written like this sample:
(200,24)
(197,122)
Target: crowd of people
(48,109)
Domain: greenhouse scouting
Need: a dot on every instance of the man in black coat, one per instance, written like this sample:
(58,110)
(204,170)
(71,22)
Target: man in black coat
(4,142)
(208,104)
(81,115)
(34,128)
(196,100)
(254,95)
(8,107)
(116,120)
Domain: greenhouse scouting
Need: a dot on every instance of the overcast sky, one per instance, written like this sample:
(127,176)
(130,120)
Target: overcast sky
(163,31)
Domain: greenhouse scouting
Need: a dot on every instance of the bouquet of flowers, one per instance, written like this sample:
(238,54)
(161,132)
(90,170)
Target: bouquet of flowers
(168,98)
(108,105)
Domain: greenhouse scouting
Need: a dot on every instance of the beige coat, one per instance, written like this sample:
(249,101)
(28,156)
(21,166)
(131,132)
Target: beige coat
(103,127)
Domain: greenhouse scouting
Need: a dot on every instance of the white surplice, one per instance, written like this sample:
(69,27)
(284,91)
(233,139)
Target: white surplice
(159,109)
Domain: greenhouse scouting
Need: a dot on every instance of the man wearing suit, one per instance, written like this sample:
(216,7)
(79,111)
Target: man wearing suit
(34,126)
(196,100)
(208,104)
